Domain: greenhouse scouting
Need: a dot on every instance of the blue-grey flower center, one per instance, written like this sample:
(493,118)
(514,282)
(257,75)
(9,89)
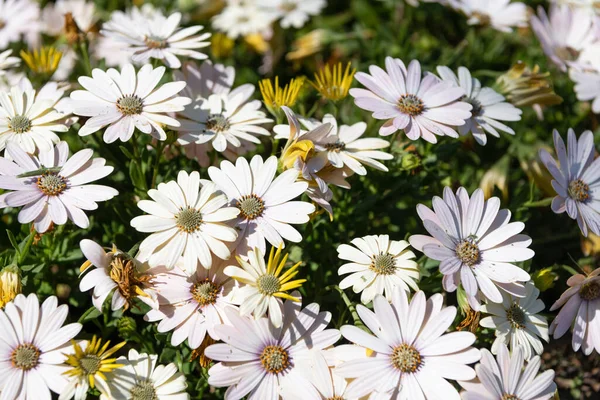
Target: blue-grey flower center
(189,219)
(90,364)
(130,104)
(19,124)
(143,390)
(217,123)
(51,184)
(468,252)
(383,264)
(516,316)
(337,146)
(25,357)
(251,206)
(268,284)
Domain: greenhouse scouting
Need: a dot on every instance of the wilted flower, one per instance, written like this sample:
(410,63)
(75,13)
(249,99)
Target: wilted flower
(497,176)
(10,284)
(523,86)
(332,83)
(307,45)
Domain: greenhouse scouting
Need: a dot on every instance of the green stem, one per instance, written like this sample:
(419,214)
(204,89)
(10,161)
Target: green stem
(85,57)
(25,250)
(357,321)
(159,148)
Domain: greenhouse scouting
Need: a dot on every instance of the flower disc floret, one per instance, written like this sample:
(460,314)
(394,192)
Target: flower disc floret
(51,184)
(383,264)
(189,219)
(19,124)
(590,291)
(130,104)
(25,357)
(251,206)
(468,252)
(90,364)
(274,359)
(579,190)
(205,292)
(516,316)
(411,104)
(217,123)
(406,358)
(143,390)
(268,284)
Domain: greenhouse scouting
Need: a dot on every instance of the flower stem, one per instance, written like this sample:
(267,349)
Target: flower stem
(159,148)
(85,57)
(357,321)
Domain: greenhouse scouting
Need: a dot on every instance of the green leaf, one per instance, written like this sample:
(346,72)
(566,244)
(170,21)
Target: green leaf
(13,241)
(127,152)
(91,313)
(137,176)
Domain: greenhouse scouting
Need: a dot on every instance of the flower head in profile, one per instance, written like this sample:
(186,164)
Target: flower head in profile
(502,15)
(89,363)
(264,285)
(505,378)
(564,33)
(276,96)
(576,179)
(226,118)
(265,362)
(489,107)
(293,13)
(53,188)
(517,322)
(141,377)
(421,106)
(114,272)
(187,219)
(156,36)
(475,244)
(523,86)
(191,305)
(333,82)
(10,284)
(413,357)
(266,204)
(578,307)
(29,121)
(33,344)
(126,100)
(377,266)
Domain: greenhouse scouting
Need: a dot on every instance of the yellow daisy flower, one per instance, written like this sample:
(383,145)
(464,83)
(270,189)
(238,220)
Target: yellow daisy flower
(333,82)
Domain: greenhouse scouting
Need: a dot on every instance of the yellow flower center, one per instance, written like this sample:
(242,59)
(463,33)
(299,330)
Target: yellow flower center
(411,105)
(130,104)
(189,219)
(579,190)
(217,123)
(509,397)
(406,358)
(274,359)
(468,252)
(155,42)
(589,291)
(25,357)
(251,206)
(205,293)
(51,184)
(383,264)
(143,390)
(19,124)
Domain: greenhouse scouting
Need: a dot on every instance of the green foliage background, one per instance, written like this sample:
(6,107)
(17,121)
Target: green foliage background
(363,32)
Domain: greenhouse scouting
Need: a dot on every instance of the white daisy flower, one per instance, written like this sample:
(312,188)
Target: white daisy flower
(156,36)
(125,101)
(590,6)
(205,80)
(563,34)
(502,15)
(489,107)
(265,204)
(264,285)
(186,219)
(517,322)
(342,146)
(330,385)
(52,187)
(580,308)
(587,83)
(225,119)
(111,51)
(413,357)
(505,378)
(141,378)
(7,62)
(83,12)
(475,244)
(294,13)
(33,344)
(19,18)
(243,19)
(377,266)
(422,107)
(52,93)
(576,179)
(266,363)
(30,122)
(191,305)
(115,272)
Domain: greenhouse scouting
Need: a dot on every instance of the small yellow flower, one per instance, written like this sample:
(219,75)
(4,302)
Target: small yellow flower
(523,86)
(257,42)
(221,45)
(90,364)
(10,284)
(544,278)
(332,83)
(307,45)
(274,96)
(43,61)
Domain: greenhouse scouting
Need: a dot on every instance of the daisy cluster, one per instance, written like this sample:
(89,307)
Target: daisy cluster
(117,128)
